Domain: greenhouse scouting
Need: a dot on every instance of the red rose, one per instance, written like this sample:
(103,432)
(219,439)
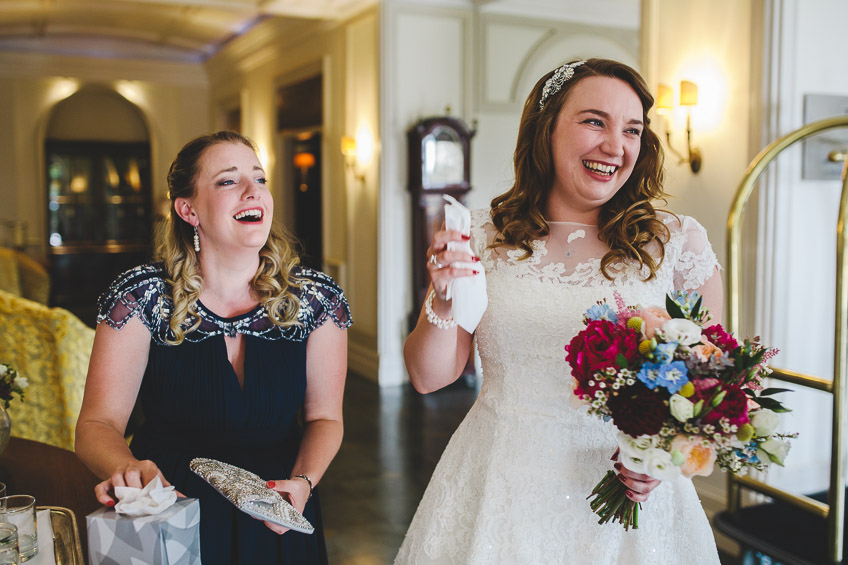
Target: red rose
(598,347)
(637,410)
(734,405)
(720,338)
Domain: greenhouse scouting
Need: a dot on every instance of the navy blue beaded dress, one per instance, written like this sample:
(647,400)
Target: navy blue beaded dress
(194,406)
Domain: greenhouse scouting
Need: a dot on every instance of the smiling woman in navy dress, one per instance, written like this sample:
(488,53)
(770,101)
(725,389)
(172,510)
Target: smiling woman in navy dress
(225,343)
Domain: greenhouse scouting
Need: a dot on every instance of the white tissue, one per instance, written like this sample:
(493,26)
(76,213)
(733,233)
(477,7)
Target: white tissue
(467,294)
(147,501)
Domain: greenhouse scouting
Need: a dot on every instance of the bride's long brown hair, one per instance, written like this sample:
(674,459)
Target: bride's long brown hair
(628,222)
(273,282)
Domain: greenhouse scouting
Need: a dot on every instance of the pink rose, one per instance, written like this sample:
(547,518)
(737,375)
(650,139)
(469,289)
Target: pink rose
(653,317)
(698,459)
(705,350)
(598,347)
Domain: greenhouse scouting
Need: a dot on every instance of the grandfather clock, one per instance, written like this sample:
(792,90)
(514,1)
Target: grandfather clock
(439,163)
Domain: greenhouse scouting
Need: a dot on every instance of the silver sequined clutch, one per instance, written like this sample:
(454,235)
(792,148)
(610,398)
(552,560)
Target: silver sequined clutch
(250,494)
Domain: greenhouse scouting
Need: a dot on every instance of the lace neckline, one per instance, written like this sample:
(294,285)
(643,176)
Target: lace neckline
(570,223)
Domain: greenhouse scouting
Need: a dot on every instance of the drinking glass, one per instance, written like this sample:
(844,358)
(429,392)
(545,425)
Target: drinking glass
(9,554)
(19,510)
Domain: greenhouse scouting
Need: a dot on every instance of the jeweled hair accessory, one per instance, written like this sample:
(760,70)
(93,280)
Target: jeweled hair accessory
(554,84)
(250,494)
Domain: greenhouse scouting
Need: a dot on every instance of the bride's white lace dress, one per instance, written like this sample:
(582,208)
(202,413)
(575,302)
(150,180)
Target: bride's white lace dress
(512,483)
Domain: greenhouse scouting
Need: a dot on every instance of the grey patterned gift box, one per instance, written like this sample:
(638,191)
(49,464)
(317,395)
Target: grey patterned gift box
(169,538)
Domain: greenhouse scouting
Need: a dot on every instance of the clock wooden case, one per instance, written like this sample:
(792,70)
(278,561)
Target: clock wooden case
(439,163)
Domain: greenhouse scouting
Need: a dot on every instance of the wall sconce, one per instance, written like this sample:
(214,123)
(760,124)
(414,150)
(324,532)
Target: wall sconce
(352,157)
(304,161)
(688,98)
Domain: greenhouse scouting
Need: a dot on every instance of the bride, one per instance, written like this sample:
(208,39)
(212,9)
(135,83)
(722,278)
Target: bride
(578,226)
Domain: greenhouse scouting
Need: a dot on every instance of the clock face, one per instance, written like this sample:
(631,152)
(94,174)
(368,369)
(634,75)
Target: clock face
(442,158)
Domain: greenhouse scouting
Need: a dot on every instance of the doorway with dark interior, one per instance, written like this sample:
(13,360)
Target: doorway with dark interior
(299,121)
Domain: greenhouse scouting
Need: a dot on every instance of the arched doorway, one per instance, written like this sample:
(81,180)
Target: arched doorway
(99,196)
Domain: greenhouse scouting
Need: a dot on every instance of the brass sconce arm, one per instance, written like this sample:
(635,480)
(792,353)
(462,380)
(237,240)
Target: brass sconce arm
(688,98)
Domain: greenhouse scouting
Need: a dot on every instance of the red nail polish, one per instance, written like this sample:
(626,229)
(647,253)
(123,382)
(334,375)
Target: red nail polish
(110,503)
(475,259)
(476,272)
(271,484)
(466,237)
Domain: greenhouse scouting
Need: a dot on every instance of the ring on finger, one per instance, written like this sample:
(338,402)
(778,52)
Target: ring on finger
(435,262)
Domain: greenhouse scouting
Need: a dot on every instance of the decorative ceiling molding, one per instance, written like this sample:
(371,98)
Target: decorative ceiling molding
(174,30)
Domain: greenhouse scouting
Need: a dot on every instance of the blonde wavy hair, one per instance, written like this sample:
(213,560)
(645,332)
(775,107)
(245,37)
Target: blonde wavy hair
(273,283)
(628,222)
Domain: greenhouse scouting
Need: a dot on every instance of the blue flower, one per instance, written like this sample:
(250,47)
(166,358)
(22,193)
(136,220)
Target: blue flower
(686,299)
(664,352)
(671,376)
(602,311)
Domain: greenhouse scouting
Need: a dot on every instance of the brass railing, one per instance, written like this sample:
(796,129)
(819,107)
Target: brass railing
(835,511)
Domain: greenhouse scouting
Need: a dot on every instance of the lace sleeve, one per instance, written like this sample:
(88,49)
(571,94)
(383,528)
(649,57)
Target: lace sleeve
(322,298)
(480,218)
(697,262)
(134,293)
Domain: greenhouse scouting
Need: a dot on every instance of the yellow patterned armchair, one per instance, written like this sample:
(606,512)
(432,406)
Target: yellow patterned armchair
(51,348)
(23,276)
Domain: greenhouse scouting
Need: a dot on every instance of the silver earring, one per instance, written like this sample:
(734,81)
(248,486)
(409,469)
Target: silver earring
(196,241)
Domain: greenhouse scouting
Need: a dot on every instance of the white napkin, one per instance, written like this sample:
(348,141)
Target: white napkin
(152,499)
(468,294)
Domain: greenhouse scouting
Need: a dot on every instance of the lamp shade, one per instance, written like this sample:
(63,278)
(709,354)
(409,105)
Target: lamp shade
(304,160)
(664,97)
(688,93)
(348,146)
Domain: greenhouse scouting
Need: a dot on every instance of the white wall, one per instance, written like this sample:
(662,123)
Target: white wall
(426,65)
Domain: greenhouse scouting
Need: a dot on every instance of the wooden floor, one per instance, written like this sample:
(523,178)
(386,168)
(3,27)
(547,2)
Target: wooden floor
(393,440)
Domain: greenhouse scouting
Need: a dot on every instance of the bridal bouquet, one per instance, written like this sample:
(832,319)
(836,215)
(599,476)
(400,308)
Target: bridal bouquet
(684,397)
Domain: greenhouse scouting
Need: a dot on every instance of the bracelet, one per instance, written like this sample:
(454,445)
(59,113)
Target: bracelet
(433,318)
(305,478)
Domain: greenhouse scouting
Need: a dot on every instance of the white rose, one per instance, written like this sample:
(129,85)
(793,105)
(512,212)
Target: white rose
(635,446)
(776,449)
(22,382)
(635,462)
(658,464)
(3,369)
(681,408)
(764,421)
(684,332)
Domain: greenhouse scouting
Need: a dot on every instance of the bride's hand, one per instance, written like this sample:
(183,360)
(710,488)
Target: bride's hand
(638,486)
(441,260)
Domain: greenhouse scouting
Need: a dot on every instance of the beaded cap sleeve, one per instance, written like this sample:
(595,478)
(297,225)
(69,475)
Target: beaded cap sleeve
(144,292)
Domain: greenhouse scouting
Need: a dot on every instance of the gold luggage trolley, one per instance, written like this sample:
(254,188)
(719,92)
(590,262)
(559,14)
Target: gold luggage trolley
(813,527)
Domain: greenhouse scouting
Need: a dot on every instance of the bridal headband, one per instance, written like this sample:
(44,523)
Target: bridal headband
(554,84)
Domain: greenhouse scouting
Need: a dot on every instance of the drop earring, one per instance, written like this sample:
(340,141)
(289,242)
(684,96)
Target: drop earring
(196,241)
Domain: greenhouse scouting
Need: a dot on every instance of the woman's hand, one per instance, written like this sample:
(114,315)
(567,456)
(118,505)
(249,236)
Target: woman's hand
(638,486)
(441,260)
(134,474)
(296,492)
